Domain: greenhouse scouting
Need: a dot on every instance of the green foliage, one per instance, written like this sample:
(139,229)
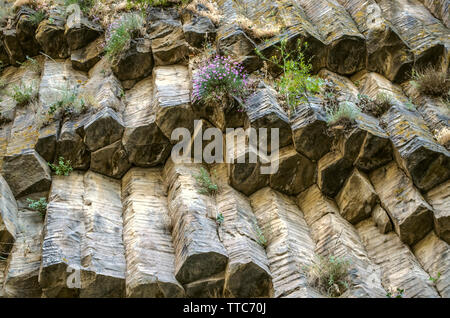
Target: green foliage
(330,275)
(22,94)
(142,4)
(85,5)
(205,183)
(377,106)
(432,81)
(31,64)
(345,112)
(296,82)
(435,279)
(120,33)
(38,205)
(410,105)
(68,104)
(220,219)
(37,17)
(6,10)
(63,168)
(261,239)
(398,294)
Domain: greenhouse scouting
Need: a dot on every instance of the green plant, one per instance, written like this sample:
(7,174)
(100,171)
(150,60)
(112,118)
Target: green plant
(345,113)
(31,64)
(36,17)
(295,83)
(377,106)
(410,105)
(260,238)
(220,219)
(205,183)
(330,275)
(68,104)
(398,294)
(63,168)
(38,205)
(435,279)
(22,94)
(120,33)
(6,10)
(85,5)
(432,81)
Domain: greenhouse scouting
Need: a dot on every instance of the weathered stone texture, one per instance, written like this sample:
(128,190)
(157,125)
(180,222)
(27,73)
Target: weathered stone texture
(147,236)
(199,254)
(399,267)
(8,217)
(434,256)
(411,214)
(247,273)
(289,246)
(439,198)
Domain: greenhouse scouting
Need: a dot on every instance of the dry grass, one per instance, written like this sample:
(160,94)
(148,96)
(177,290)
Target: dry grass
(433,81)
(257,32)
(330,275)
(213,12)
(375,107)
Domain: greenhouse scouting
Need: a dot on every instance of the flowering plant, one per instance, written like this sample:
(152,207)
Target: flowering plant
(221,80)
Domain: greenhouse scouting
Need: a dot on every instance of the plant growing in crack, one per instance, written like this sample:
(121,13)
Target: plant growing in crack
(295,84)
(38,205)
(435,279)
(260,238)
(63,168)
(396,294)
(204,182)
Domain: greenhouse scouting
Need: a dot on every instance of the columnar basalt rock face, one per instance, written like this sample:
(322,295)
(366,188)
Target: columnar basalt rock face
(309,126)
(346,45)
(334,236)
(387,54)
(439,198)
(247,273)
(129,222)
(423,33)
(411,214)
(171,98)
(199,254)
(147,236)
(278,216)
(78,239)
(434,256)
(143,140)
(264,111)
(357,198)
(425,161)
(434,112)
(295,172)
(167,38)
(21,273)
(440,9)
(8,217)
(399,268)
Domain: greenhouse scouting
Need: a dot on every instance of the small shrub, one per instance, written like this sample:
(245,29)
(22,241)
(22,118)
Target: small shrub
(435,279)
(410,105)
(38,205)
(37,17)
(204,182)
(63,168)
(120,33)
(345,114)
(397,294)
(261,239)
(68,105)
(330,275)
(220,80)
(31,64)
(22,94)
(376,107)
(258,32)
(432,81)
(220,219)
(296,82)
(213,12)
